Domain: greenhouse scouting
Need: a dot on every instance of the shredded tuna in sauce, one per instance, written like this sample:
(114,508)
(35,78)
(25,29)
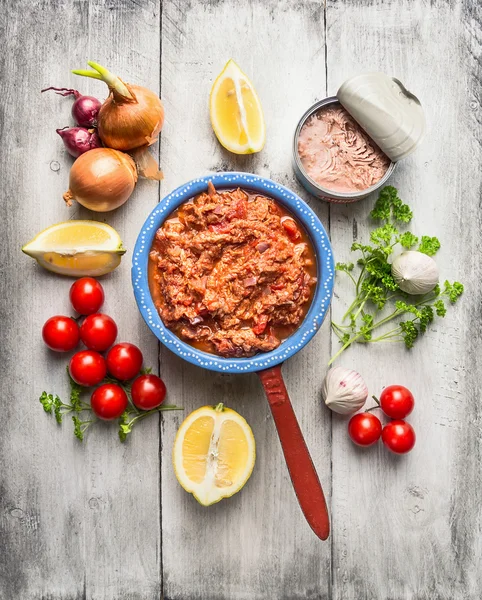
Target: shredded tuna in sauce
(232,273)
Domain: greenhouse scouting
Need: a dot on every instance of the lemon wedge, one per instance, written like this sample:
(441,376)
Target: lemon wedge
(77,248)
(236,113)
(214,453)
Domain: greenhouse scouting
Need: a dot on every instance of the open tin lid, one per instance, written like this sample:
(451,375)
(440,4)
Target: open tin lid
(389,113)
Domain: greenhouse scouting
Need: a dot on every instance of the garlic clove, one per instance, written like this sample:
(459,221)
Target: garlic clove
(415,272)
(344,391)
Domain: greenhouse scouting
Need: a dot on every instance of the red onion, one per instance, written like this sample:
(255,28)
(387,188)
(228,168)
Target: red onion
(78,140)
(262,247)
(196,320)
(85,109)
(250,281)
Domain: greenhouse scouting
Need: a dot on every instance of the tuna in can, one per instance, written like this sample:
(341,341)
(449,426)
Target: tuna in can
(345,147)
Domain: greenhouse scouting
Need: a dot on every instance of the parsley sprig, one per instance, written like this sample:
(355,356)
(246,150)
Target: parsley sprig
(83,416)
(376,289)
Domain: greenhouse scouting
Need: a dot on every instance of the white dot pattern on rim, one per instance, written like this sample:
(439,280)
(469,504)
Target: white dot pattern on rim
(316,312)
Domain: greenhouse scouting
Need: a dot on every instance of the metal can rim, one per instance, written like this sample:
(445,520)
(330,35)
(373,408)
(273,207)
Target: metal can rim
(326,193)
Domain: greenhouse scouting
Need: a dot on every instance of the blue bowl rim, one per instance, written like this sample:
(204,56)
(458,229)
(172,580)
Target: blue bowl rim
(325,272)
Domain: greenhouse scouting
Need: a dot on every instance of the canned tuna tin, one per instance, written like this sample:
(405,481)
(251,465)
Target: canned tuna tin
(347,146)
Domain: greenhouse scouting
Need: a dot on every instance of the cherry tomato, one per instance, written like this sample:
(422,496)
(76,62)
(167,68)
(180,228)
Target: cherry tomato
(98,332)
(109,401)
(398,436)
(124,361)
(148,391)
(396,401)
(364,429)
(61,333)
(87,368)
(86,295)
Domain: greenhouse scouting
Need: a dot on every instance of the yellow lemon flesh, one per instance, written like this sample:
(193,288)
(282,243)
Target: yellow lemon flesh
(77,248)
(236,113)
(214,453)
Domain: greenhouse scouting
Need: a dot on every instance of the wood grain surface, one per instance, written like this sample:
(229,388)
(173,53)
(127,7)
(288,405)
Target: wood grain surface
(105,521)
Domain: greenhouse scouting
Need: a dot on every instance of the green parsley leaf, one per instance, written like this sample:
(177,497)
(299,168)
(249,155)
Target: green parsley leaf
(78,432)
(401,212)
(389,207)
(47,401)
(429,245)
(58,409)
(346,267)
(345,339)
(426,317)
(453,291)
(408,240)
(440,308)
(383,234)
(361,247)
(410,333)
(376,289)
(75,392)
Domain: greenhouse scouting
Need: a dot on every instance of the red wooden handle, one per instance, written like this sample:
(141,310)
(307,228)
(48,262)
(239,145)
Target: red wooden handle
(300,466)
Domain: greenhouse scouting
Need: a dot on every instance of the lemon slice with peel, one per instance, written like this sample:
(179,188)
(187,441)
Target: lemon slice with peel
(236,113)
(77,248)
(214,453)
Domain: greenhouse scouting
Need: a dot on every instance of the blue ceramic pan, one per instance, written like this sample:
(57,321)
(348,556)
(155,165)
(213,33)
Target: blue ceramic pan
(267,365)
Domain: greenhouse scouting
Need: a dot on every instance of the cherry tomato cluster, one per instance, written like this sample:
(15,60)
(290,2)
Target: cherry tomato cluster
(89,368)
(365,428)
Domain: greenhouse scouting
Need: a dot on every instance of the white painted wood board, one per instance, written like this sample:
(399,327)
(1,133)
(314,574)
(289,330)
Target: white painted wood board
(104,521)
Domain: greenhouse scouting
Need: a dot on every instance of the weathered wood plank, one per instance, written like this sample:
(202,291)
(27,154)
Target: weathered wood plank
(257,544)
(83,521)
(77,521)
(409,527)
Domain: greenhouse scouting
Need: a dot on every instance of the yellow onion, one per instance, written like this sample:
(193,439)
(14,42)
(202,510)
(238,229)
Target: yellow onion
(101,179)
(131,117)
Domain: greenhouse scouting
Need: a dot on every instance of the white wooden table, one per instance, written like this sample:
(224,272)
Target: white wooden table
(105,521)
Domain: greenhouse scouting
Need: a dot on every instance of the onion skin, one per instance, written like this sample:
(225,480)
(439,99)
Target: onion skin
(85,111)
(125,124)
(101,180)
(85,108)
(78,140)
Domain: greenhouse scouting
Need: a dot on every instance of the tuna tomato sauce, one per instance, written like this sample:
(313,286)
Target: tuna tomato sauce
(232,272)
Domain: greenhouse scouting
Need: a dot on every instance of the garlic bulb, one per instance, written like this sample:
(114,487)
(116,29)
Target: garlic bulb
(344,391)
(415,272)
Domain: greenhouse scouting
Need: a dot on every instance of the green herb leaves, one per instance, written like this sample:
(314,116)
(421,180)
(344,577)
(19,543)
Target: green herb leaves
(390,208)
(83,416)
(376,289)
(429,245)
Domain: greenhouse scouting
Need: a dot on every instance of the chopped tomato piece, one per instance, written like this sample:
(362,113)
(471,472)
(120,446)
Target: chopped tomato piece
(291,229)
(260,324)
(241,209)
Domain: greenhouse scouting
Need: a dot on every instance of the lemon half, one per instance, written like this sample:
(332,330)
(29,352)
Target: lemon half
(236,113)
(214,453)
(77,248)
